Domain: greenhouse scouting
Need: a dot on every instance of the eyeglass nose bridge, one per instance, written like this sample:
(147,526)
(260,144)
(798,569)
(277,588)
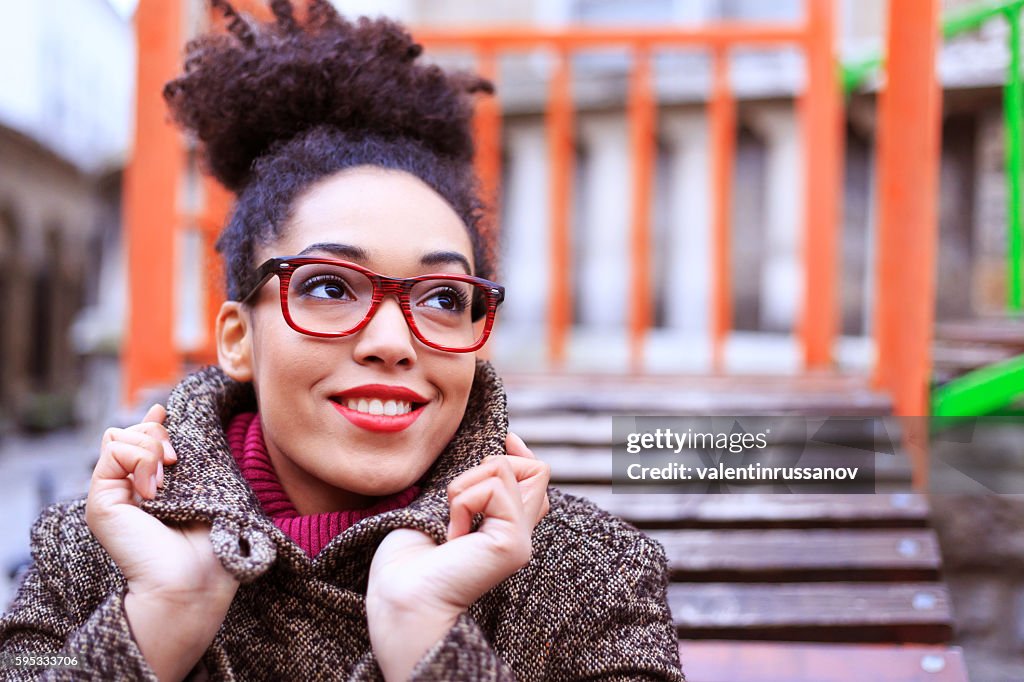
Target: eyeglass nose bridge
(401,290)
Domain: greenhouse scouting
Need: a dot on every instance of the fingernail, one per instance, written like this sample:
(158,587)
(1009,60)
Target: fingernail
(152,484)
(159,474)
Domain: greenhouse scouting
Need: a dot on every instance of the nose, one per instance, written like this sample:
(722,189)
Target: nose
(386,338)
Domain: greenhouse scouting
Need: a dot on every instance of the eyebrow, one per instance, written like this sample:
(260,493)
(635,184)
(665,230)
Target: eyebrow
(358,254)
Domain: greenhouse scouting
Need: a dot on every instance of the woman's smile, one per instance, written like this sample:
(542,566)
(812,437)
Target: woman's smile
(380,407)
(380,421)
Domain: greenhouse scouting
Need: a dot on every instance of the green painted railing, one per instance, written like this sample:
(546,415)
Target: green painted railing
(983,391)
(959,21)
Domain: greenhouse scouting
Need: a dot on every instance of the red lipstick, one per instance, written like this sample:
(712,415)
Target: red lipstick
(382,391)
(380,422)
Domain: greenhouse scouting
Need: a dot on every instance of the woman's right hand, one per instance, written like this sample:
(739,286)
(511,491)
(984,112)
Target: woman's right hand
(160,561)
(173,575)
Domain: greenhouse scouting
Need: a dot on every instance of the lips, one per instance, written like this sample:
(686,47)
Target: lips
(380,422)
(382,391)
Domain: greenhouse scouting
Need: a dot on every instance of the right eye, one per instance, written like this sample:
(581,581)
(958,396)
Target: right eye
(328,287)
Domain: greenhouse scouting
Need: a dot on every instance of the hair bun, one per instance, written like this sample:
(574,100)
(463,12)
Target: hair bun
(261,84)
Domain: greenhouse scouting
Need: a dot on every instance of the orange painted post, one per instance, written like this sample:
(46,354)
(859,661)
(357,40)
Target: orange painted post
(642,127)
(722,112)
(211,222)
(561,153)
(150,212)
(821,110)
(487,134)
(909,112)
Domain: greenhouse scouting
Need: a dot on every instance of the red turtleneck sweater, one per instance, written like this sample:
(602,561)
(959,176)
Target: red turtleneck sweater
(311,532)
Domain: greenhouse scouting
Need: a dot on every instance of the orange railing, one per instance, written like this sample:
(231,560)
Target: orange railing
(905,294)
(822,141)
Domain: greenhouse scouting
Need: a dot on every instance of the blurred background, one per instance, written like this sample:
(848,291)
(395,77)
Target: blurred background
(723,229)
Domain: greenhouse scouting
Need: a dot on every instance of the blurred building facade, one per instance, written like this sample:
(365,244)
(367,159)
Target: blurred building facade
(67,68)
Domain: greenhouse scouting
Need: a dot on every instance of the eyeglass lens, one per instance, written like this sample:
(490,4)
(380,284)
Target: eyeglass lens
(333,299)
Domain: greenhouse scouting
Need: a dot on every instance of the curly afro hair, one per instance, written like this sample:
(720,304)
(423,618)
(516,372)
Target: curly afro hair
(277,106)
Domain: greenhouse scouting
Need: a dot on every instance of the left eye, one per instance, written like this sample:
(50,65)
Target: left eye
(326,287)
(446,299)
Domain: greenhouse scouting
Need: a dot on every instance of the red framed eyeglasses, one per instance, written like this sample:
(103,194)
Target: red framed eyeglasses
(331,298)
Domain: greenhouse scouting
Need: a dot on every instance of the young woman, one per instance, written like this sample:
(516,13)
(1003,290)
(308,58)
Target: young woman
(340,496)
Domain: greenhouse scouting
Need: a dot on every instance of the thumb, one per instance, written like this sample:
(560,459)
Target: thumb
(156,413)
(515,445)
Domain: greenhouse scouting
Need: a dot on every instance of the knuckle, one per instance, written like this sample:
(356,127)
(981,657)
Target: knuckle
(150,445)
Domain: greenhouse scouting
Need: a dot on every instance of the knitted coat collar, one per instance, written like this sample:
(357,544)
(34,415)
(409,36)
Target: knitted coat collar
(205,484)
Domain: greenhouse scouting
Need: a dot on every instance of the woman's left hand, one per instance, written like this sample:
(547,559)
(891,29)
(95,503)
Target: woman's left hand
(417,589)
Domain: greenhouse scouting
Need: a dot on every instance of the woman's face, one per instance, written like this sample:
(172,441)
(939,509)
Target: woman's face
(325,459)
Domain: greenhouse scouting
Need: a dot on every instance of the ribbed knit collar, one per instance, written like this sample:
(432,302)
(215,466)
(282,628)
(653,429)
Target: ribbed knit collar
(310,531)
(206,484)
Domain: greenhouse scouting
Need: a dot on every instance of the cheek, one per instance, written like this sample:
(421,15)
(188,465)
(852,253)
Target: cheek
(460,382)
(282,352)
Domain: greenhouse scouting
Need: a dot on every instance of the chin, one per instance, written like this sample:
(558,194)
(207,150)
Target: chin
(379,486)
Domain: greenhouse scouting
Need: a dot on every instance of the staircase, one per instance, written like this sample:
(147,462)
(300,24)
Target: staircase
(763,586)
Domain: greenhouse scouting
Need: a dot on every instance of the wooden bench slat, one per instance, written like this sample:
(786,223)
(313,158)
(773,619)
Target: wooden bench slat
(553,380)
(993,331)
(754,510)
(843,611)
(963,355)
(676,402)
(801,555)
(693,394)
(716,661)
(576,429)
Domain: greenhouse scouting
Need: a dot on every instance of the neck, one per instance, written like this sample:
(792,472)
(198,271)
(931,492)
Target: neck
(309,494)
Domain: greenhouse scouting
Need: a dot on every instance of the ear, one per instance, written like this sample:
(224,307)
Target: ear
(234,341)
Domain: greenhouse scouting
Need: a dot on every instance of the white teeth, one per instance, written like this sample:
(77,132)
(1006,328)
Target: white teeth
(381,407)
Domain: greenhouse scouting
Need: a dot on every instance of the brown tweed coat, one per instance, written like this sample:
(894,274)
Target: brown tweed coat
(590,604)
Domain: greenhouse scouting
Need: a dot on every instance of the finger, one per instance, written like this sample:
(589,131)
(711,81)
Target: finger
(134,437)
(492,498)
(118,460)
(156,413)
(492,469)
(515,445)
(159,432)
(487,467)
(533,477)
